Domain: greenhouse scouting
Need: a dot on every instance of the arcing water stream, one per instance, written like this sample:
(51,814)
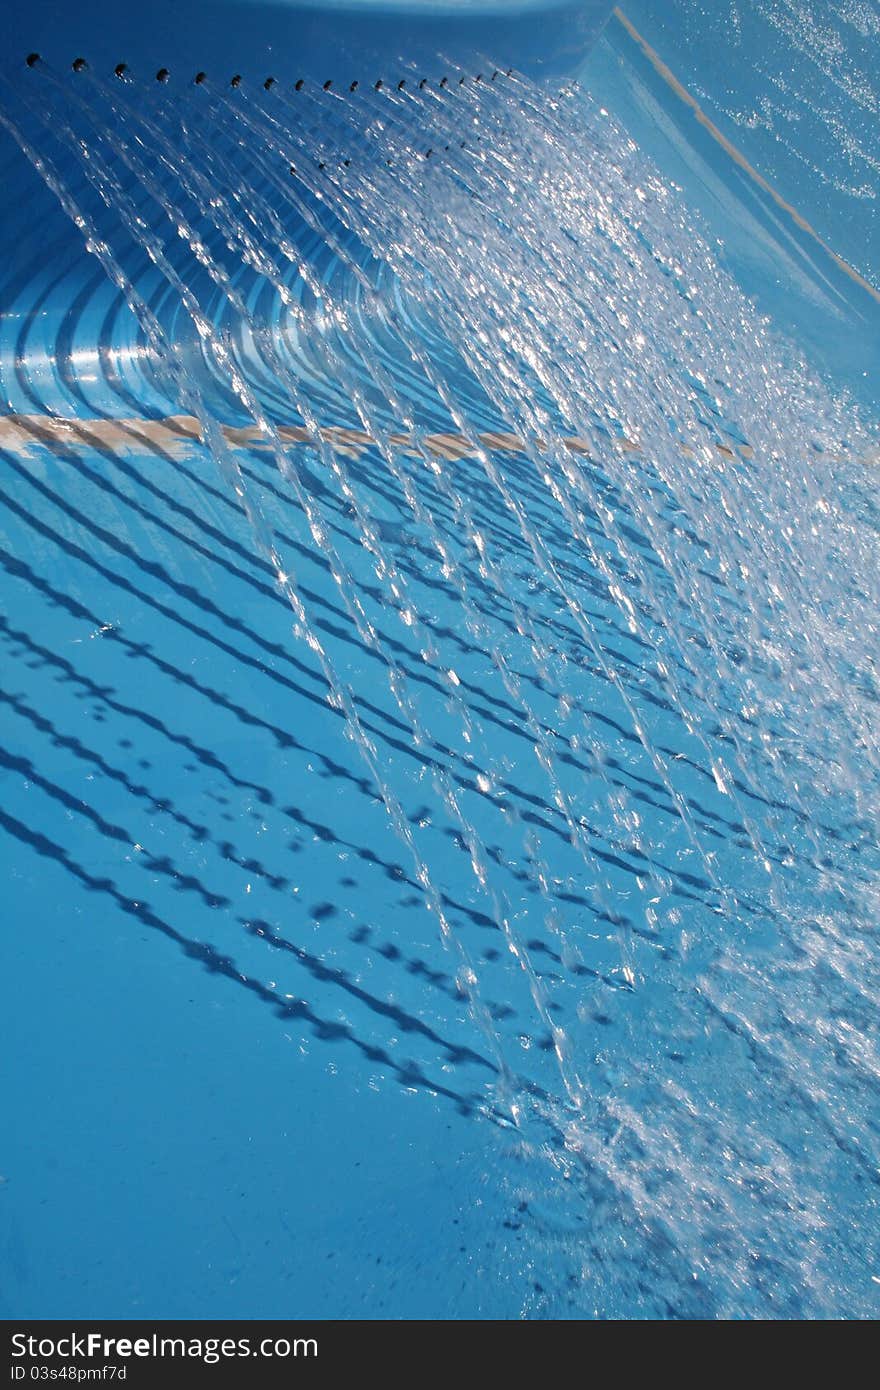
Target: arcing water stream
(603,553)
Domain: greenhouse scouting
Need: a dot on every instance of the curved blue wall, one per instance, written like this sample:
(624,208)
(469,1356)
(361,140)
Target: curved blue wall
(356,40)
(352,42)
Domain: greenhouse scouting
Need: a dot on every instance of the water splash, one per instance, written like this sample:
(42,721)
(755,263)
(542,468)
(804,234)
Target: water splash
(794,83)
(633,656)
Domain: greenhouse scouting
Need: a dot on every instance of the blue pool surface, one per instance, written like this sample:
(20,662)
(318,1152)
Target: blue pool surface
(602,1059)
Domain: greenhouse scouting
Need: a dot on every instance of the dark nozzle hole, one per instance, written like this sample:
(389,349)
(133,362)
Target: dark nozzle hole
(32,59)
(236,80)
(199,78)
(78,64)
(328,84)
(298,85)
(121,69)
(162,75)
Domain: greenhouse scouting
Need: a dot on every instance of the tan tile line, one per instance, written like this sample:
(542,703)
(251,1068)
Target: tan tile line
(21,433)
(736,155)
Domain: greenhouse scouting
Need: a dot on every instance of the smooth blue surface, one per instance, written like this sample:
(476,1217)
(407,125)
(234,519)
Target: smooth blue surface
(240,1080)
(803,153)
(794,84)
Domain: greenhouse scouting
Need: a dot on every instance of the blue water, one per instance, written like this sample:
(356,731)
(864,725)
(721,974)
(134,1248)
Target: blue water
(494,933)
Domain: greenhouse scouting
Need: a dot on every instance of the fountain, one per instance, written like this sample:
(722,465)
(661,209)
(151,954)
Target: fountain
(439,607)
